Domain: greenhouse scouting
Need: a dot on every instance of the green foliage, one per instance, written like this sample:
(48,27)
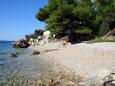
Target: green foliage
(35,34)
(82,11)
(77,16)
(38,32)
(105,11)
(102,39)
(29,36)
(43,14)
(104,29)
(61,16)
(84,30)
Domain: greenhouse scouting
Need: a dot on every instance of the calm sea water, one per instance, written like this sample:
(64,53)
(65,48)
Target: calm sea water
(24,67)
(5,50)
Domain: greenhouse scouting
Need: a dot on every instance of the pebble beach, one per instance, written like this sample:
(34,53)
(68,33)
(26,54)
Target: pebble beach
(88,61)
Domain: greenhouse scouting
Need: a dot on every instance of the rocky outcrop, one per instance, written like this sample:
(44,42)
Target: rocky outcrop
(111,32)
(21,44)
(36,53)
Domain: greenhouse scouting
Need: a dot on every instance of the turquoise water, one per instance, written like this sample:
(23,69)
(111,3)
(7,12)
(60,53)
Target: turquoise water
(5,50)
(28,70)
(24,68)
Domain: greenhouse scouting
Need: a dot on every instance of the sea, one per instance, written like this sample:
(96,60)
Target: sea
(23,70)
(5,50)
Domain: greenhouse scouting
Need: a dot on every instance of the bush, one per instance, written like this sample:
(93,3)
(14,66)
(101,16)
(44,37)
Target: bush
(84,30)
(104,28)
(103,39)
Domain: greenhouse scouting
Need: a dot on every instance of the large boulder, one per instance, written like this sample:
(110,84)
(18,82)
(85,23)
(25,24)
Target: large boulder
(21,44)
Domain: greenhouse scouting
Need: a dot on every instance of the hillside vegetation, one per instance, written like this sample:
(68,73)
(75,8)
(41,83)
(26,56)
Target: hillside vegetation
(78,19)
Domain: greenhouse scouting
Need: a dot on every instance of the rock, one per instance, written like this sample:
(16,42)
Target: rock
(100,79)
(36,53)
(21,44)
(108,38)
(109,84)
(109,80)
(111,32)
(39,83)
(50,83)
(70,83)
(13,55)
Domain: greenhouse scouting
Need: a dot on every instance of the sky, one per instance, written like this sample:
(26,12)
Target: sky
(17,18)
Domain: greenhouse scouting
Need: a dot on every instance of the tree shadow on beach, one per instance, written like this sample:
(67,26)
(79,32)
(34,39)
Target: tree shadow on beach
(51,50)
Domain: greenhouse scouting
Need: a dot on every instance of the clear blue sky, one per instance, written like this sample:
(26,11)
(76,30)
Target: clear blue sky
(17,18)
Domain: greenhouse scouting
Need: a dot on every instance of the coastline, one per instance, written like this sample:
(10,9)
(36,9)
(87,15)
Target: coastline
(84,60)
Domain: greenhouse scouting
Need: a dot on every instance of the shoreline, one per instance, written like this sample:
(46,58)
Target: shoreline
(84,60)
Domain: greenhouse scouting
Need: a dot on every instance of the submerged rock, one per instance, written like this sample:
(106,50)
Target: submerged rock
(13,55)
(21,44)
(36,53)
